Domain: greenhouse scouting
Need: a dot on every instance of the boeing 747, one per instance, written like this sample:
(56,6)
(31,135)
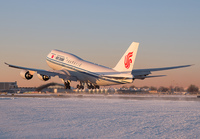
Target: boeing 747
(70,67)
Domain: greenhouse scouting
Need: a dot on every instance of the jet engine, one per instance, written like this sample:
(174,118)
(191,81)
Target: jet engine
(26,75)
(43,77)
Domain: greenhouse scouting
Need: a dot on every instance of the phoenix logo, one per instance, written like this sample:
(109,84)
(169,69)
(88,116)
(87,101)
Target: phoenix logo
(127,60)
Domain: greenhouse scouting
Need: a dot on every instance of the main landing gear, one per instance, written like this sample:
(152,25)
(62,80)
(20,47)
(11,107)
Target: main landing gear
(67,85)
(81,86)
(91,86)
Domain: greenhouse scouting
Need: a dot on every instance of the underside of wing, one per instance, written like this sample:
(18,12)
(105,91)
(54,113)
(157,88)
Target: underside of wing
(42,74)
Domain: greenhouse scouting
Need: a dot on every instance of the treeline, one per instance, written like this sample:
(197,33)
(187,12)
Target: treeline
(192,89)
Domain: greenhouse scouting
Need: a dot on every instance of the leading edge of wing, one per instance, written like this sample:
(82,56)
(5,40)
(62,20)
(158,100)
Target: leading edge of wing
(41,71)
(160,69)
(24,68)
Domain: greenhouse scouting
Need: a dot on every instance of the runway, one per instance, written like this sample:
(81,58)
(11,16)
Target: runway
(109,96)
(84,116)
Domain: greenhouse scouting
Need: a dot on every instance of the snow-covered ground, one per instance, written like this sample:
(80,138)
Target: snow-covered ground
(98,118)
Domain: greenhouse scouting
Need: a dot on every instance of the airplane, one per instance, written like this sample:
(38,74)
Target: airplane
(70,67)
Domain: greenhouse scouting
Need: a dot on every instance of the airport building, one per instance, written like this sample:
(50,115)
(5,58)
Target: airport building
(8,85)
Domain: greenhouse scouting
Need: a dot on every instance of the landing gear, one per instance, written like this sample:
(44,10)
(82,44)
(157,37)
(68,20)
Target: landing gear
(67,85)
(96,87)
(80,86)
(91,86)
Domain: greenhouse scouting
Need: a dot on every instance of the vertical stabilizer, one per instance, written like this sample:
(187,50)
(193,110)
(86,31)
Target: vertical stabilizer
(127,61)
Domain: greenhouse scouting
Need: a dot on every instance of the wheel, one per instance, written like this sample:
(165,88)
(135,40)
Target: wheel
(82,87)
(67,85)
(88,87)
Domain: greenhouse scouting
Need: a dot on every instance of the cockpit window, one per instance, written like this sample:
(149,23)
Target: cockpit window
(61,58)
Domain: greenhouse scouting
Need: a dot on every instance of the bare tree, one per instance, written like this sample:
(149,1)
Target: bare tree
(124,86)
(193,89)
(152,88)
(178,89)
(132,86)
(145,87)
(163,89)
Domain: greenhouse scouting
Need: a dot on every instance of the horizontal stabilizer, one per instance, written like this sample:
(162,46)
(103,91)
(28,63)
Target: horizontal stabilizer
(119,78)
(143,77)
(159,69)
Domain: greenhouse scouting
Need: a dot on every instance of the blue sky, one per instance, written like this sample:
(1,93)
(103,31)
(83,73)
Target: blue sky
(101,31)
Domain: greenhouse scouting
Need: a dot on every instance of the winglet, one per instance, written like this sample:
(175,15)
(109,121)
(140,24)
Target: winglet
(10,65)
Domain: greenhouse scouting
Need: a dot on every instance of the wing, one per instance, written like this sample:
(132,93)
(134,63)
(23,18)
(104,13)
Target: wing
(143,73)
(60,73)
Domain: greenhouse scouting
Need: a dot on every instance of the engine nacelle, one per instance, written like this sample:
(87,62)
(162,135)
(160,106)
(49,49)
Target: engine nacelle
(26,75)
(43,77)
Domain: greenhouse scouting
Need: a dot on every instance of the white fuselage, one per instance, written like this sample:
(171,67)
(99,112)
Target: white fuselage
(69,67)
(82,70)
